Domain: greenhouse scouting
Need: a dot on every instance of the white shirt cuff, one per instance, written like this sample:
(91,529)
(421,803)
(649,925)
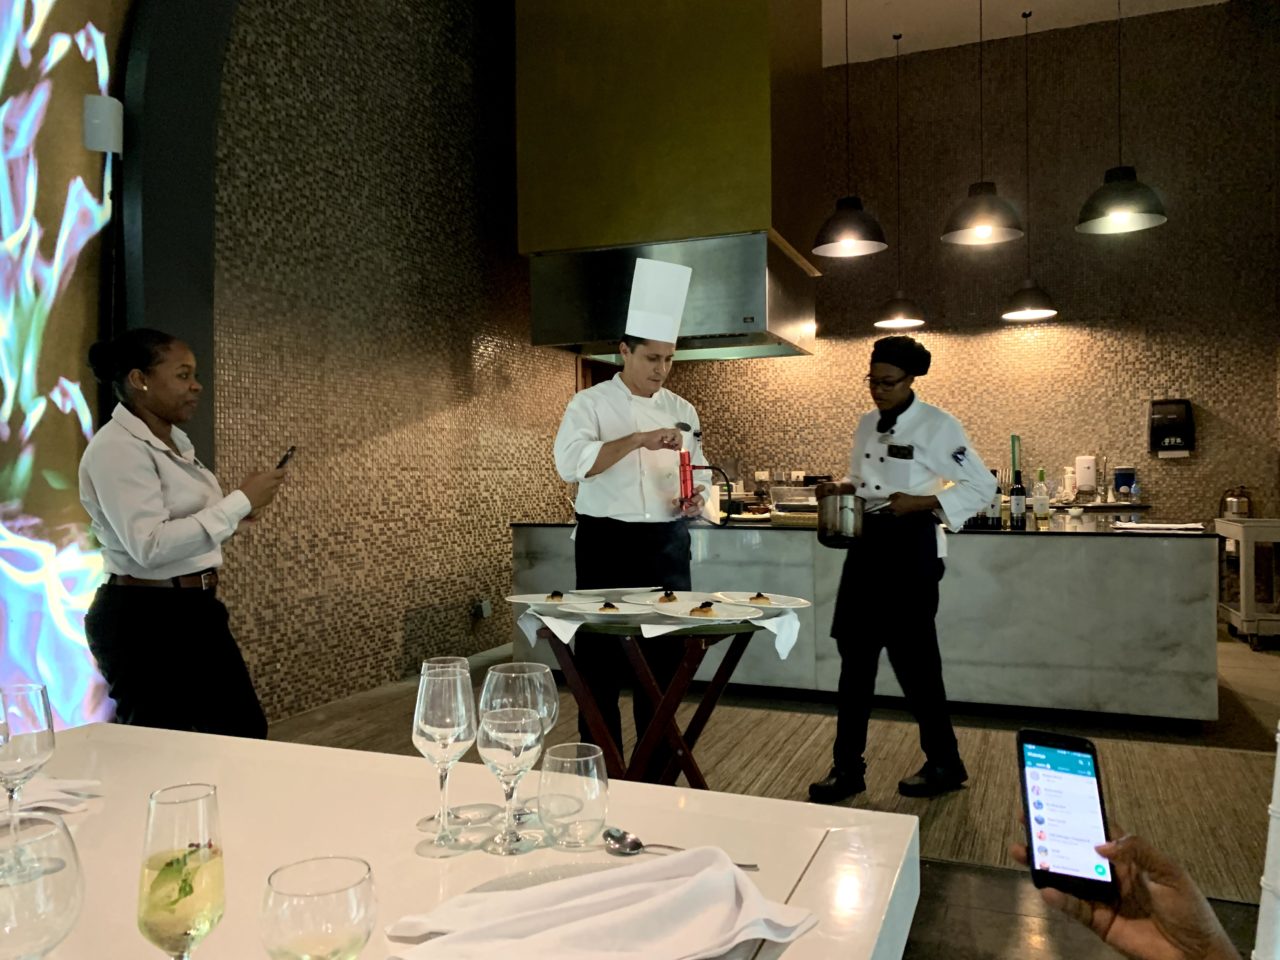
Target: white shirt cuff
(237,506)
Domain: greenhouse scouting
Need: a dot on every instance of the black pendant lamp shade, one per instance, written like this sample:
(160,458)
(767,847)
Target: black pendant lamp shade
(900,313)
(1029,301)
(1122,204)
(851,231)
(983,218)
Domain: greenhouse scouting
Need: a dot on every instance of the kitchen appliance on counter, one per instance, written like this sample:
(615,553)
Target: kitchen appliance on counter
(1235,504)
(1086,477)
(795,507)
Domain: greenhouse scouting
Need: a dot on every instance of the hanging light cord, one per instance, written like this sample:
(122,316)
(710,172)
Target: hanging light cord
(848,140)
(1119,87)
(1026,122)
(897,140)
(982,159)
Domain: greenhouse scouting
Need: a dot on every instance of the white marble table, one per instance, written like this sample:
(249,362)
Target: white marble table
(857,870)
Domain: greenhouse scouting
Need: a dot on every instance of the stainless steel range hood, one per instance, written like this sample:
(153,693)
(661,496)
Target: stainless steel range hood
(675,131)
(747,298)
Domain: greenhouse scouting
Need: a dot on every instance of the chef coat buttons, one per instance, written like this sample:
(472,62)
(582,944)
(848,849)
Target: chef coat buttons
(877,486)
(868,456)
(881,459)
(864,483)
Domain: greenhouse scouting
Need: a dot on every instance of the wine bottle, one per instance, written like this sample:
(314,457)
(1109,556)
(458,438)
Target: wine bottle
(1017,503)
(1040,501)
(993,518)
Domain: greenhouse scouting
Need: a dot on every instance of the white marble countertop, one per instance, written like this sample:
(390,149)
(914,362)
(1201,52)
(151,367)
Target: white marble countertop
(856,869)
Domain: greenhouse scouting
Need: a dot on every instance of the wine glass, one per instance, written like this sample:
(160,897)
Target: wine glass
(40,903)
(444,728)
(510,740)
(26,744)
(573,794)
(530,685)
(319,909)
(180,896)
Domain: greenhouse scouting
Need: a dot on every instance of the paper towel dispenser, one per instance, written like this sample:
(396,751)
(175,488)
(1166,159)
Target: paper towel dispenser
(1173,428)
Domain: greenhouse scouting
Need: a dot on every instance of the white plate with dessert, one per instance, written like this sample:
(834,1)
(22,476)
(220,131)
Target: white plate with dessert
(661,598)
(601,610)
(547,602)
(709,611)
(766,600)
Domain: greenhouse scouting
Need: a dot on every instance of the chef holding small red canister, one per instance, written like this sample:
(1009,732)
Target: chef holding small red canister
(623,443)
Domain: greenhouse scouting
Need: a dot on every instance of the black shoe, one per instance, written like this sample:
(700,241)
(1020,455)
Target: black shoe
(838,785)
(933,779)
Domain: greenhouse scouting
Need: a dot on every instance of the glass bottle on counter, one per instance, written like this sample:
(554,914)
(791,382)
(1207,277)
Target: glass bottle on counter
(1017,503)
(1040,501)
(997,501)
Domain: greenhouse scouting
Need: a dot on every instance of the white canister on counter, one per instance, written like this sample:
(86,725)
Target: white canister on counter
(1087,473)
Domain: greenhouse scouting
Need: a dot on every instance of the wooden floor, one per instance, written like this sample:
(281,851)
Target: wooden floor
(1205,805)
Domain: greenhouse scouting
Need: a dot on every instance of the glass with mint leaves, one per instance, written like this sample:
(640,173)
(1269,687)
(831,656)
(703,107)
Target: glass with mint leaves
(181,898)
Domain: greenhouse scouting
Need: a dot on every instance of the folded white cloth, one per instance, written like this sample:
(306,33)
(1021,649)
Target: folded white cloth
(60,796)
(784,627)
(1128,525)
(563,627)
(687,906)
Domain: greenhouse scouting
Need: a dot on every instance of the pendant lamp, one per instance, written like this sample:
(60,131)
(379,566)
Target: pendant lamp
(899,312)
(1029,301)
(984,217)
(851,231)
(1123,204)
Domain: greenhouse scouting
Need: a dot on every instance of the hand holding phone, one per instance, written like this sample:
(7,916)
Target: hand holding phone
(284,461)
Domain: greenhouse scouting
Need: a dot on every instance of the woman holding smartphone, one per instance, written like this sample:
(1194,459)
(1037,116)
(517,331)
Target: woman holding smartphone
(156,627)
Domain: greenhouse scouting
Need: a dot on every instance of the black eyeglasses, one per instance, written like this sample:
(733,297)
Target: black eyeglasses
(883,383)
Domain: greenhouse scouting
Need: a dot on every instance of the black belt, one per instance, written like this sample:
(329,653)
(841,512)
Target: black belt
(205,580)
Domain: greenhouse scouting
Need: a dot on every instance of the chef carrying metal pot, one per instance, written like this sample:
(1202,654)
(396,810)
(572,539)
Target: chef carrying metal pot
(914,468)
(619,441)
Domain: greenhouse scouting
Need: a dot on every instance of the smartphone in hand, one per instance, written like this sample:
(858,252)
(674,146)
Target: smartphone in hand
(1066,818)
(284,461)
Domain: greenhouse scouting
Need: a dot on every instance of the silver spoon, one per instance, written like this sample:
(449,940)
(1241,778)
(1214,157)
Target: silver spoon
(623,844)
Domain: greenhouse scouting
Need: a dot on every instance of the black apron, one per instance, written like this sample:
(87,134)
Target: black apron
(614,553)
(892,552)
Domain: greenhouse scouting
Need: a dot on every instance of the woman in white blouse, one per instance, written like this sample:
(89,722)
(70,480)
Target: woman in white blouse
(156,627)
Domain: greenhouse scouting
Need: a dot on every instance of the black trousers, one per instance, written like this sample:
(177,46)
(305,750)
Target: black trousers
(612,553)
(888,600)
(170,661)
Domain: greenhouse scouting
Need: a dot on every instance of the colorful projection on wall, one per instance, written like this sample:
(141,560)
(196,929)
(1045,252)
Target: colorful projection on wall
(48,571)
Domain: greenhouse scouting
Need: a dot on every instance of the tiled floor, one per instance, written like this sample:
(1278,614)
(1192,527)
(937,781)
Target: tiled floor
(969,912)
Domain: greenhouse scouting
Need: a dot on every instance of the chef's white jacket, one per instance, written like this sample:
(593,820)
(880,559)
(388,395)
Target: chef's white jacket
(643,485)
(158,514)
(925,453)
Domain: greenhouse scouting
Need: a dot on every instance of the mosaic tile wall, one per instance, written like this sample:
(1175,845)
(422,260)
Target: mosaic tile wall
(371,310)
(1188,309)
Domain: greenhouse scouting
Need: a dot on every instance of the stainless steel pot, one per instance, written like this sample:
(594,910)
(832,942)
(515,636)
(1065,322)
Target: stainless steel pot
(839,514)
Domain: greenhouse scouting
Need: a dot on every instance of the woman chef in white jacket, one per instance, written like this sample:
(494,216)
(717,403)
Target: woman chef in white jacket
(914,467)
(619,441)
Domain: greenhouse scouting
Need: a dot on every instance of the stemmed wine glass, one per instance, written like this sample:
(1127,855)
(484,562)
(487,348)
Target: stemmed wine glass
(529,685)
(319,909)
(510,741)
(40,903)
(444,728)
(467,813)
(181,895)
(26,744)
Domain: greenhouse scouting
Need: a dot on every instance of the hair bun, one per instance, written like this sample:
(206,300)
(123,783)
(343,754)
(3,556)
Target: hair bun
(102,360)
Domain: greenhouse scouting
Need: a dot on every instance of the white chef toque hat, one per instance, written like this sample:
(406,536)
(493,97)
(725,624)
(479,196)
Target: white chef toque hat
(658,293)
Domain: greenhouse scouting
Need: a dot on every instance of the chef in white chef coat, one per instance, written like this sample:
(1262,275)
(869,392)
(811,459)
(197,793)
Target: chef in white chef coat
(619,442)
(916,469)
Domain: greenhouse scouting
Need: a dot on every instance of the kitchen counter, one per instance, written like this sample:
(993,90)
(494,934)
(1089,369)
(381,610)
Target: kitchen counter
(1096,620)
(1059,525)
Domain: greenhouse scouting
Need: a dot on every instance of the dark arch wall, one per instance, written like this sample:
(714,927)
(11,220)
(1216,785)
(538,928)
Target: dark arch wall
(173,77)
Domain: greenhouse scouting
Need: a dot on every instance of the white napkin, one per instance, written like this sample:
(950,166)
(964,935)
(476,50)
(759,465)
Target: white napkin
(687,906)
(1128,525)
(784,627)
(60,796)
(563,627)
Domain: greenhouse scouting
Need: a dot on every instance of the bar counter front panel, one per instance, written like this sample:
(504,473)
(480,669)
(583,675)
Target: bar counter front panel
(1081,619)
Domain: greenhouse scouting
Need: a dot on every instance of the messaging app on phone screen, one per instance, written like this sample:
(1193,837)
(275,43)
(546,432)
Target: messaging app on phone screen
(1066,817)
